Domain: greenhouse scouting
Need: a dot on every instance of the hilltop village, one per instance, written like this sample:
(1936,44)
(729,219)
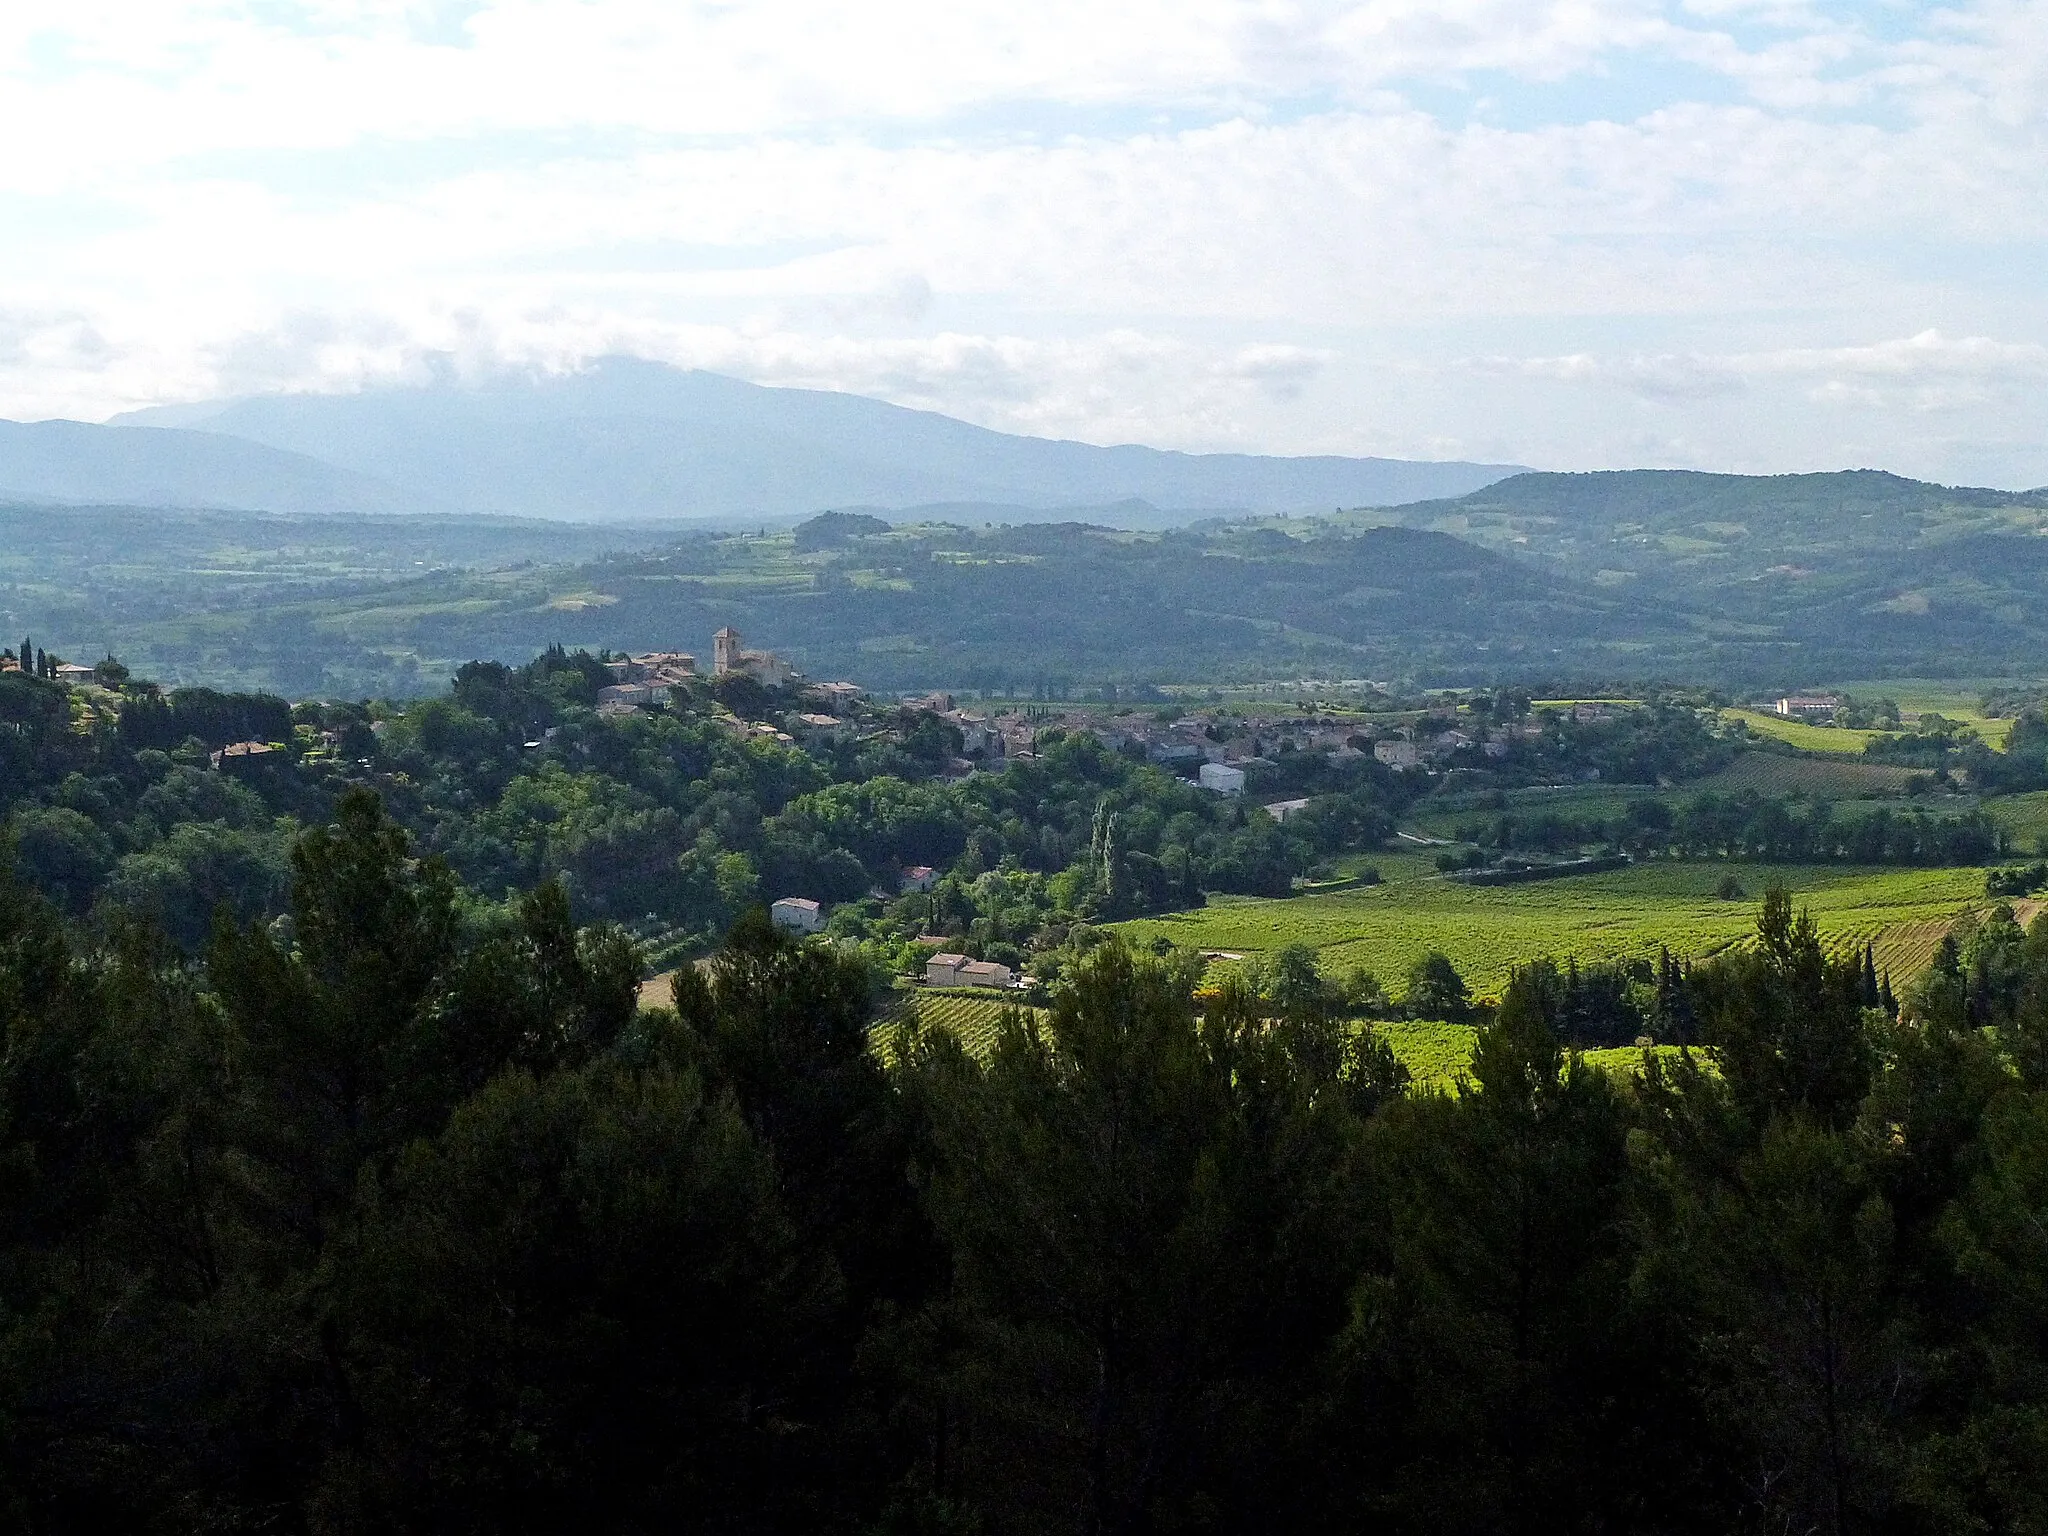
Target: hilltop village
(1223,749)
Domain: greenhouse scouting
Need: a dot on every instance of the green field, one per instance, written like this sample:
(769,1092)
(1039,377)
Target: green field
(1797,733)
(1436,1054)
(1835,777)
(972,1017)
(2024,816)
(1486,931)
(1954,700)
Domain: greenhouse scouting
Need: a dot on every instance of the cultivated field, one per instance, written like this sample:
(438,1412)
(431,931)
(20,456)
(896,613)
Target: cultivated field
(1838,778)
(1812,738)
(1436,1054)
(973,1018)
(2025,817)
(1960,700)
(1772,774)
(1486,931)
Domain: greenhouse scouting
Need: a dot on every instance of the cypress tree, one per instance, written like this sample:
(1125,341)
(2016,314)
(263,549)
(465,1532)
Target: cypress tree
(1870,994)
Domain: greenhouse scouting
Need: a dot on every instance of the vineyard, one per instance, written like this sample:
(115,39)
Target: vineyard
(973,1018)
(1772,774)
(1436,1054)
(1486,931)
(2023,817)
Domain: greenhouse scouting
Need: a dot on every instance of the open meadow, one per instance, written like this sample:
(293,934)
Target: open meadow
(1486,931)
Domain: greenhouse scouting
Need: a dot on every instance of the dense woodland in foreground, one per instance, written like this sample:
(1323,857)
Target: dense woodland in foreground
(345,1186)
(390,1219)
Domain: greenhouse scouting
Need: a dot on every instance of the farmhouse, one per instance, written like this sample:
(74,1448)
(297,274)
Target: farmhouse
(959,971)
(1398,754)
(1280,810)
(1809,706)
(797,914)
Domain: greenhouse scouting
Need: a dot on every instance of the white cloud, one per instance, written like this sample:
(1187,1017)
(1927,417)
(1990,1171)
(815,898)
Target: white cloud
(1201,222)
(1925,371)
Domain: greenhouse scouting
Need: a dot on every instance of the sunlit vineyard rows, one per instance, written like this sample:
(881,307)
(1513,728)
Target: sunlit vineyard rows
(1487,931)
(1437,1054)
(971,1018)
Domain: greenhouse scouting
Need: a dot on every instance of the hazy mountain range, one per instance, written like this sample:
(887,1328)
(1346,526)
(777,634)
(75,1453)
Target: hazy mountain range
(634,441)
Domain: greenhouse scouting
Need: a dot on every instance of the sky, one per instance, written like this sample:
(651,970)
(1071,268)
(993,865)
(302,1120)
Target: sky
(1747,235)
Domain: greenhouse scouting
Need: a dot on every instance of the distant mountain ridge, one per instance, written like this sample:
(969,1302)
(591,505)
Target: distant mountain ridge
(633,440)
(82,464)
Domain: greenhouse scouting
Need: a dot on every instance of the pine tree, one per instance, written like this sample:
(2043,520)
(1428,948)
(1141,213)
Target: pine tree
(1673,1020)
(1787,1020)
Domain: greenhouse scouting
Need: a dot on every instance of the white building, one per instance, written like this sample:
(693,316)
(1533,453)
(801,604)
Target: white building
(920,877)
(797,914)
(1808,706)
(1222,778)
(959,971)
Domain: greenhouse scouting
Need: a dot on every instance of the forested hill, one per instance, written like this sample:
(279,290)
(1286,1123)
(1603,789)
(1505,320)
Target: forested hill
(1680,529)
(1772,582)
(1014,607)
(313,608)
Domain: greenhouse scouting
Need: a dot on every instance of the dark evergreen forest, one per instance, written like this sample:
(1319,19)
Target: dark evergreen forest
(395,1215)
